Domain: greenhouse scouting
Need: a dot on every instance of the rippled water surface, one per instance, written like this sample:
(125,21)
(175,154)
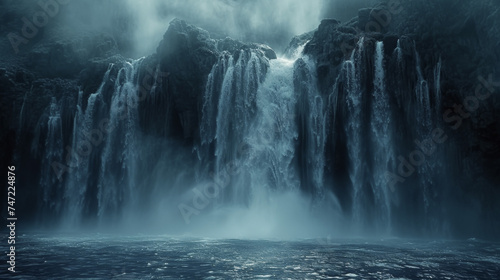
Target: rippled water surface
(42,256)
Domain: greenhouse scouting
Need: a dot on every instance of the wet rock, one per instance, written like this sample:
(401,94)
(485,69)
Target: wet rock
(187,53)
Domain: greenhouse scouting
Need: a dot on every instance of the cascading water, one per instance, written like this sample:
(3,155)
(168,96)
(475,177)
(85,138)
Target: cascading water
(78,179)
(399,52)
(53,151)
(382,140)
(426,122)
(215,158)
(424,111)
(77,182)
(267,122)
(312,134)
(102,178)
(21,113)
(354,99)
(269,139)
(115,193)
(437,86)
(366,128)
(253,127)
(234,81)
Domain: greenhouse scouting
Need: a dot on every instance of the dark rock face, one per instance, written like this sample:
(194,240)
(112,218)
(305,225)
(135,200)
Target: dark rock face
(266,50)
(67,58)
(463,38)
(296,42)
(329,46)
(24,119)
(185,58)
(44,72)
(449,57)
(186,54)
(52,73)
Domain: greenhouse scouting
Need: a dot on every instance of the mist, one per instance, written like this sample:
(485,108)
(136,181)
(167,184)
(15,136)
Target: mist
(138,27)
(165,139)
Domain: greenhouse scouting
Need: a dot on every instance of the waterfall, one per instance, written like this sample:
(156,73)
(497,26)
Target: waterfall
(368,134)
(77,182)
(22,112)
(354,98)
(117,186)
(251,118)
(296,52)
(379,81)
(229,107)
(437,87)
(154,87)
(212,91)
(312,130)
(255,114)
(399,52)
(382,138)
(425,123)
(424,111)
(103,157)
(263,134)
(399,78)
(270,137)
(82,146)
(53,151)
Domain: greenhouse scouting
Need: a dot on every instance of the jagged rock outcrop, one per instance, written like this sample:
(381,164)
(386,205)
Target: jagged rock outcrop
(296,42)
(455,54)
(185,56)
